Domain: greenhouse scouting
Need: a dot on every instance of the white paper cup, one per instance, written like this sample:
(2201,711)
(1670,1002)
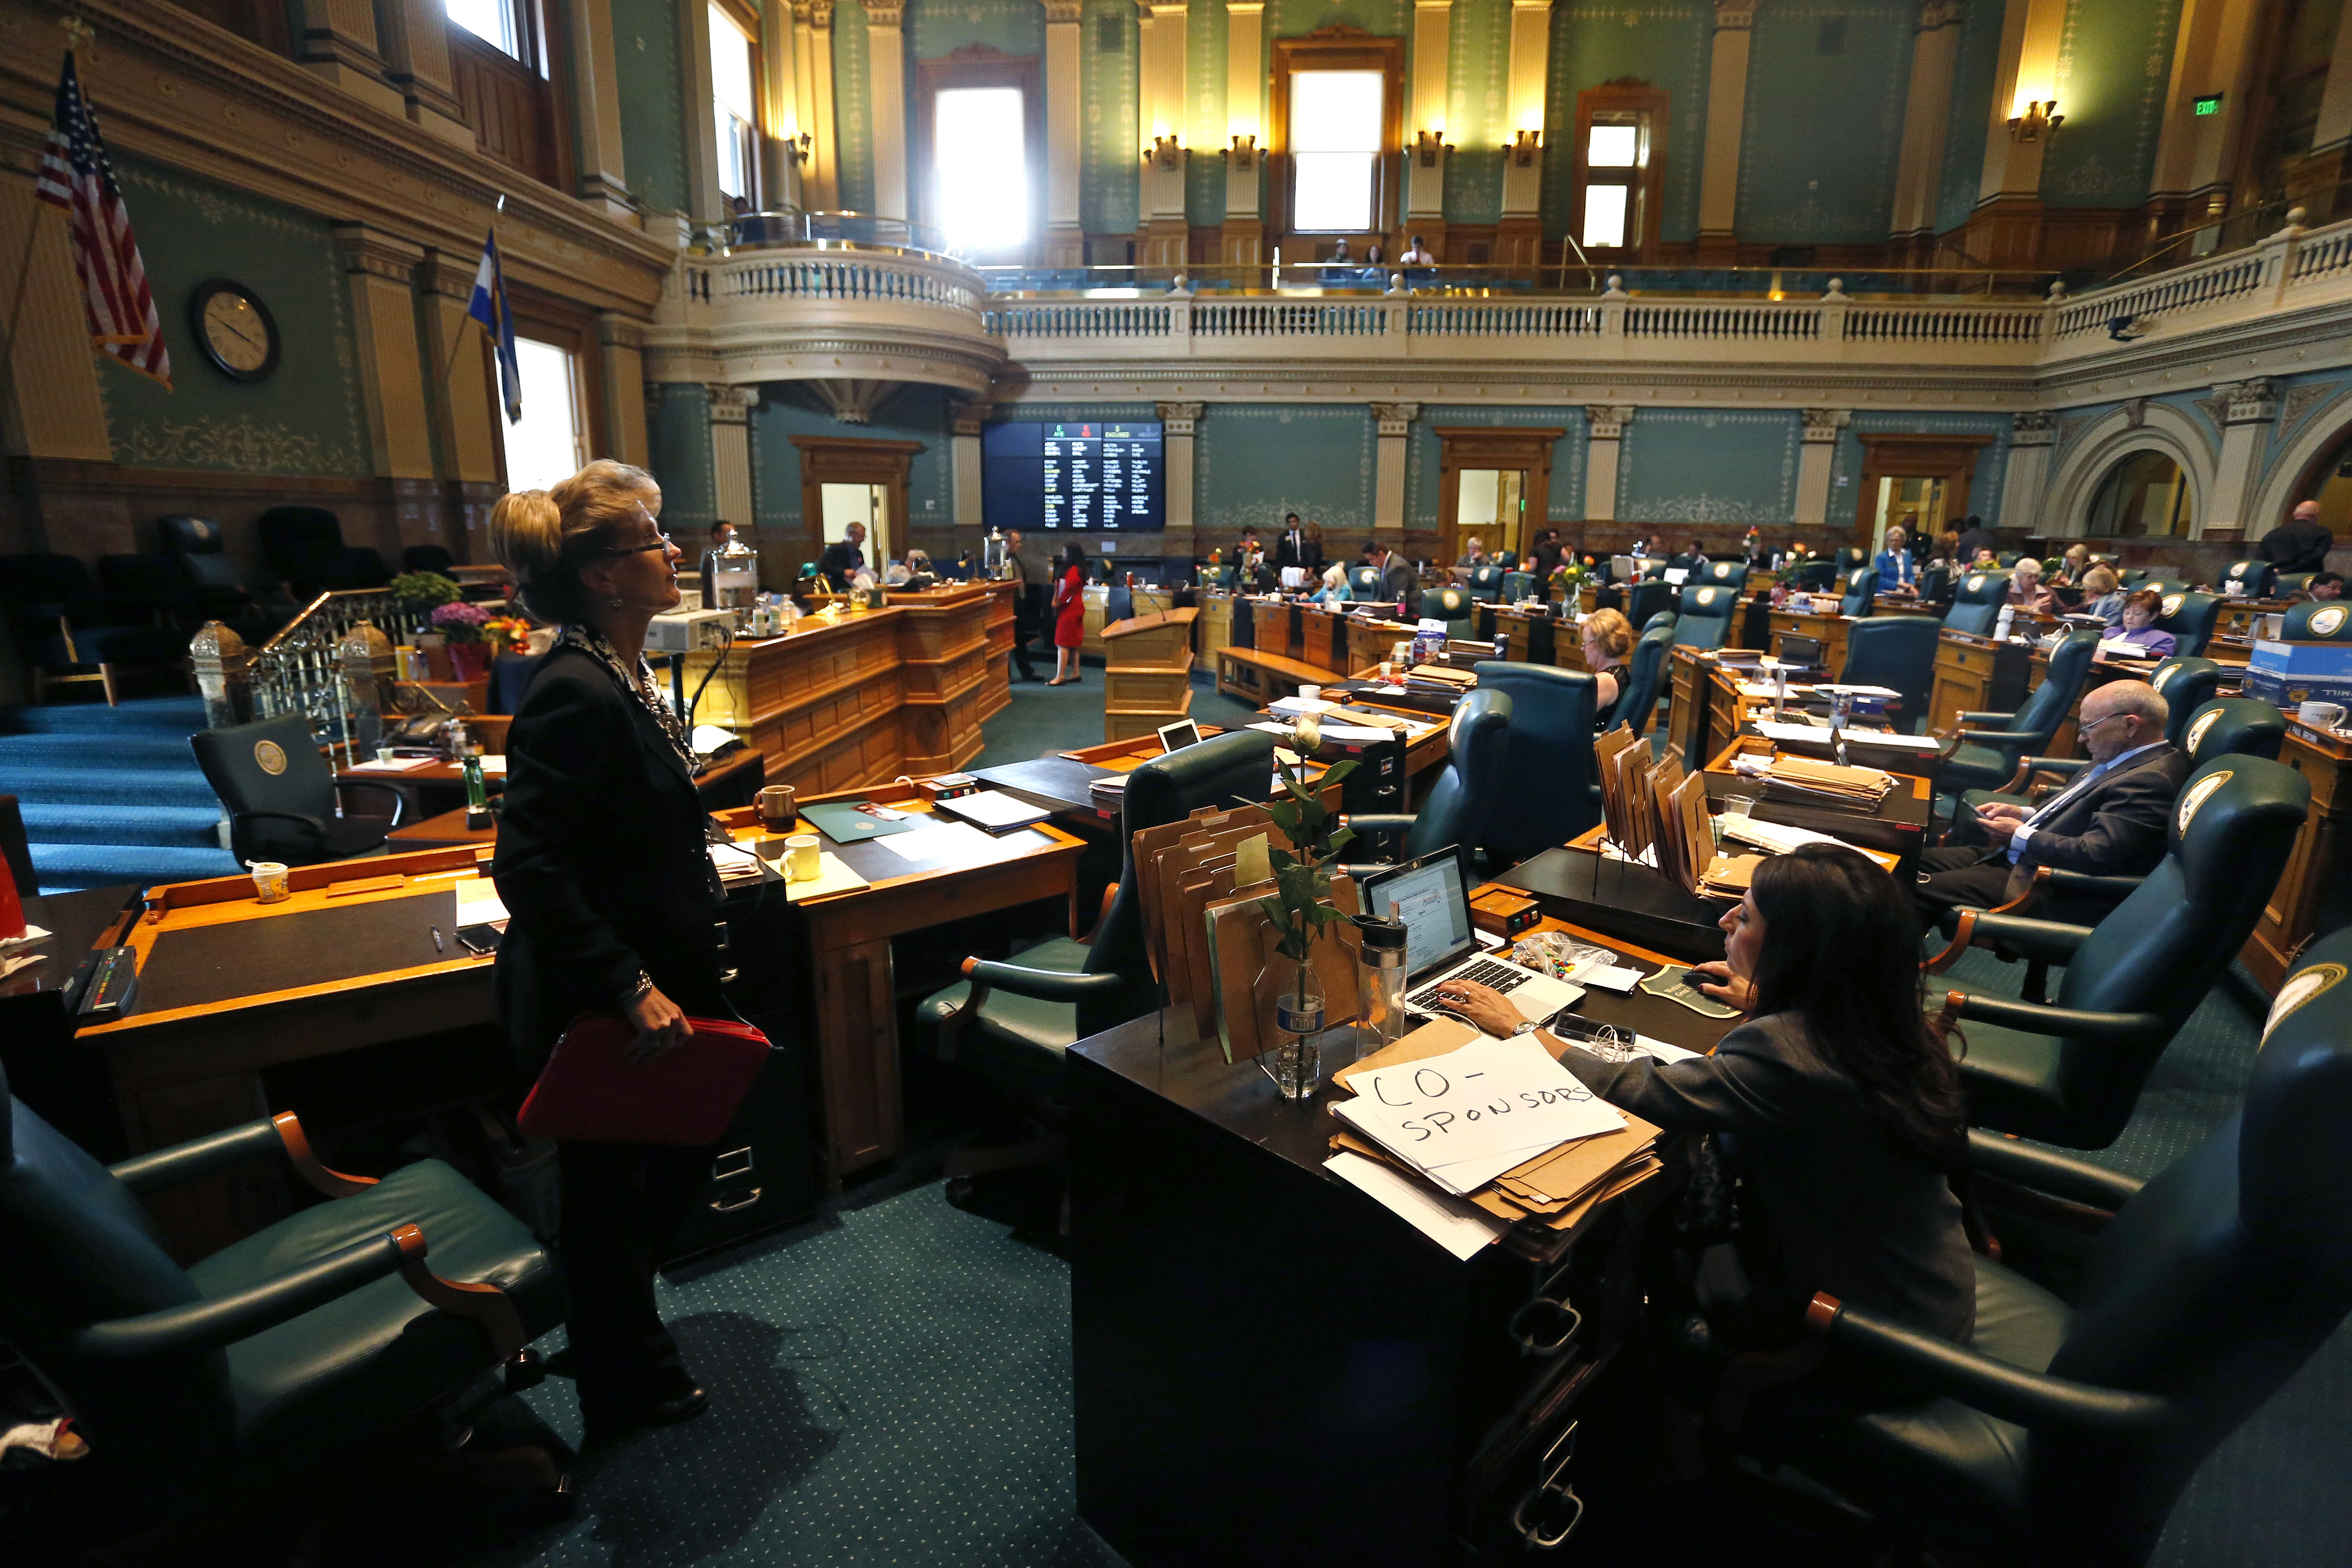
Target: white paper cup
(269,882)
(1311,694)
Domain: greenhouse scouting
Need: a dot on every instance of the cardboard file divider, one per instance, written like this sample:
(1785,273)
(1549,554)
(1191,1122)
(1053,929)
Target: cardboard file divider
(1250,973)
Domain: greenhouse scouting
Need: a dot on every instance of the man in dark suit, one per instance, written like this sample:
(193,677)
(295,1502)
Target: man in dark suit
(2301,544)
(1299,548)
(2109,821)
(1974,536)
(843,560)
(1398,579)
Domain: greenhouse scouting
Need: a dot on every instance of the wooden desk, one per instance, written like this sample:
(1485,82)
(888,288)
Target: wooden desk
(1898,827)
(1147,673)
(1224,1283)
(733,783)
(1708,709)
(1830,631)
(1975,675)
(2314,896)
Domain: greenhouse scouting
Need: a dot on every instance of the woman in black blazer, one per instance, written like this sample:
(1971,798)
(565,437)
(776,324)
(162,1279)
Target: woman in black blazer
(1837,1106)
(611,898)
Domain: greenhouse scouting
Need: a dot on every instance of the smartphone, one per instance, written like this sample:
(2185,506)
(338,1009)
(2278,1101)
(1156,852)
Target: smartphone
(481,940)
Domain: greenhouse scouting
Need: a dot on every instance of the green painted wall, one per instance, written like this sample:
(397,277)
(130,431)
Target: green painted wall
(1252,462)
(853,109)
(1662,42)
(1110,196)
(1424,486)
(1297,19)
(2114,66)
(1823,126)
(1477,107)
(1709,465)
(645,40)
(914,414)
(1976,64)
(309,416)
(1205,26)
(937,28)
(677,433)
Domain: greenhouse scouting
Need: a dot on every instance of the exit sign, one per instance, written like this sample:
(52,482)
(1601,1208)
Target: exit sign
(2210,105)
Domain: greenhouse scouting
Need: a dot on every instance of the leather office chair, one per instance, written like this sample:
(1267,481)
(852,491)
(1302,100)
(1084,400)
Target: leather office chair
(152,589)
(1486,583)
(1977,602)
(2294,582)
(1364,585)
(1704,617)
(1985,757)
(1010,1022)
(280,794)
(316,1335)
(2249,580)
(1508,560)
(1549,791)
(1647,676)
(1731,574)
(1461,808)
(2065,1431)
(66,633)
(304,545)
(1814,576)
(1644,602)
(2312,621)
(2189,617)
(1118,604)
(1518,588)
(2186,684)
(2239,726)
(1220,578)
(1934,582)
(1861,597)
(1849,558)
(2130,576)
(2005,559)
(1894,651)
(426,558)
(197,544)
(1451,606)
(2069,1072)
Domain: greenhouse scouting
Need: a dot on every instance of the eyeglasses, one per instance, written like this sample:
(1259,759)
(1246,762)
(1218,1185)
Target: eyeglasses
(2081,730)
(661,541)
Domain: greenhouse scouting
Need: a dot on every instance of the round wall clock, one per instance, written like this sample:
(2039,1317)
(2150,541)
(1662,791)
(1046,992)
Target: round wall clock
(234,328)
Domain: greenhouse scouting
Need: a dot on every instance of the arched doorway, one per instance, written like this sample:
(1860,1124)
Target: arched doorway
(2145,495)
(2330,484)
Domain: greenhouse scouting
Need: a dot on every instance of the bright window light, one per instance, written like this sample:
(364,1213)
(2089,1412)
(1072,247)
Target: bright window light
(1604,216)
(1612,147)
(492,21)
(731,104)
(544,445)
(1336,120)
(979,160)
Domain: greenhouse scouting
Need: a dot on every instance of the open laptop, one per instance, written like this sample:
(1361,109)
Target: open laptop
(1441,945)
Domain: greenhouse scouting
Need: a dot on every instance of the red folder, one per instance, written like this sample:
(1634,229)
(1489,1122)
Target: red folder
(687,1096)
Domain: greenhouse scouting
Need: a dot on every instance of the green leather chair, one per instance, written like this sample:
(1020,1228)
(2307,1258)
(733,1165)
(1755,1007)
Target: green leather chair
(281,796)
(1451,606)
(1934,582)
(2249,580)
(2069,1072)
(1549,791)
(1851,558)
(1815,576)
(308,1339)
(2129,577)
(1461,806)
(1703,618)
(1217,577)
(1645,676)
(2006,559)
(1894,651)
(1977,602)
(1644,602)
(2066,1430)
(1486,583)
(1010,1022)
(1364,584)
(2234,726)
(2295,582)
(2312,621)
(2186,683)
(2189,617)
(1986,758)
(1518,588)
(1731,574)
(1860,595)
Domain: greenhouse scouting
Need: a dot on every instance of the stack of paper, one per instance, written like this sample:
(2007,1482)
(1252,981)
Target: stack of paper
(995,810)
(1777,838)
(1813,782)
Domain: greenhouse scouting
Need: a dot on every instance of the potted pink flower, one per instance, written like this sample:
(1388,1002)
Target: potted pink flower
(462,624)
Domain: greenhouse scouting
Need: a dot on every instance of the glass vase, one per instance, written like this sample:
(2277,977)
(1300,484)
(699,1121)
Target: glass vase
(1295,1058)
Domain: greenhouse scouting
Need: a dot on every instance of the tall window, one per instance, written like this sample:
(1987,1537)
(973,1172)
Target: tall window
(1619,128)
(2145,496)
(732,107)
(547,442)
(1337,120)
(492,21)
(979,167)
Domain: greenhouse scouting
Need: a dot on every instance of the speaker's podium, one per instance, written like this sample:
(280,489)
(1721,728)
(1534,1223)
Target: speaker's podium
(1148,673)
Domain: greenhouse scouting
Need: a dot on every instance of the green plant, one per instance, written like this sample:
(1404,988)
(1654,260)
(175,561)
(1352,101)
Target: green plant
(1301,906)
(424,590)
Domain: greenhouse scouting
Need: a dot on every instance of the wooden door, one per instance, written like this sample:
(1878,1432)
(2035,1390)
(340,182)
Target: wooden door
(1951,458)
(835,460)
(1525,450)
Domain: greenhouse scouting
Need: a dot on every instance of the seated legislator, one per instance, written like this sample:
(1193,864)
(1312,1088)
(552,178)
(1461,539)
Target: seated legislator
(2103,595)
(2109,821)
(1608,642)
(2025,590)
(2139,628)
(1836,1105)
(2327,587)
(1898,571)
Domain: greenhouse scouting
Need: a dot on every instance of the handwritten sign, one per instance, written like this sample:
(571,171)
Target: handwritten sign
(1464,1118)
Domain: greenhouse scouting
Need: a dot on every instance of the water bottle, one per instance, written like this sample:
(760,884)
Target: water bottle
(1381,1019)
(2001,624)
(477,794)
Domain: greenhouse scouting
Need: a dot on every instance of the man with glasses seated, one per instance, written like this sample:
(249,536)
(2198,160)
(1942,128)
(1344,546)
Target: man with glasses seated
(2107,822)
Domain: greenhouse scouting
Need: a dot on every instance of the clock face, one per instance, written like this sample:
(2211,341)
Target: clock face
(235,330)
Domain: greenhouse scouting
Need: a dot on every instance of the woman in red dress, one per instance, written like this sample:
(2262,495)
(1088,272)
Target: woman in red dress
(1069,613)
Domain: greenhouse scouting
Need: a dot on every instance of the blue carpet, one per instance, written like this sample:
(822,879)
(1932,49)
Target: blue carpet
(112,795)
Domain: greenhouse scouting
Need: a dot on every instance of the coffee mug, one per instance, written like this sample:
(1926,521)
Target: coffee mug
(1311,694)
(801,857)
(2321,715)
(779,807)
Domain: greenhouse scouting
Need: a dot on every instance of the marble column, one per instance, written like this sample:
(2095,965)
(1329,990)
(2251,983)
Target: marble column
(621,339)
(415,37)
(1178,422)
(2249,411)
(1815,458)
(812,67)
(2196,154)
(1425,133)
(1727,111)
(1927,114)
(1605,431)
(1518,239)
(336,41)
(2005,230)
(730,450)
(1243,243)
(2030,439)
(459,382)
(1166,231)
(964,465)
(781,115)
(597,122)
(704,203)
(53,406)
(2330,158)
(887,74)
(1388,464)
(380,271)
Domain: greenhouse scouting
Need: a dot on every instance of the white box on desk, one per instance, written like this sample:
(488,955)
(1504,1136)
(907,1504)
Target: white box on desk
(688,631)
(2287,674)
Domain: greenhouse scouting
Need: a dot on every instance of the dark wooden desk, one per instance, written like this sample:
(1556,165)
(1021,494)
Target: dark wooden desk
(2314,896)
(1269,1367)
(1898,827)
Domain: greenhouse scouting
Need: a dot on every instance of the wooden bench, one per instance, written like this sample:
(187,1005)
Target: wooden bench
(1262,678)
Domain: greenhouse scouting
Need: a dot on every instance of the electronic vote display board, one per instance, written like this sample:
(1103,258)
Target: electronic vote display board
(1080,477)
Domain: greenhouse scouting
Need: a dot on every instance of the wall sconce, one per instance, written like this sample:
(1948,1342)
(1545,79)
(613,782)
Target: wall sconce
(1429,144)
(801,147)
(1524,146)
(1245,151)
(1165,151)
(2039,117)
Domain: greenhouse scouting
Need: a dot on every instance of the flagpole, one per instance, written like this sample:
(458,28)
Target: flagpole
(449,358)
(16,305)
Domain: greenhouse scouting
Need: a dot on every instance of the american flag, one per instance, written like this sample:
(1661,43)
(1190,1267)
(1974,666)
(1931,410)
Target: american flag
(76,175)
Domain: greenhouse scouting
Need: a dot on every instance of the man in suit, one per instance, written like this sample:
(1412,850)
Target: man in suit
(1975,536)
(2301,544)
(2109,821)
(1024,608)
(845,559)
(1297,547)
(1398,579)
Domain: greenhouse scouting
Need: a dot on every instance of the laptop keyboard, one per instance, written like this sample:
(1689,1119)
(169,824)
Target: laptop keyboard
(1505,977)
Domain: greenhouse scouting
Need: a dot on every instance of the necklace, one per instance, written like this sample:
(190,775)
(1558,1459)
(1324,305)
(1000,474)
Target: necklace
(638,683)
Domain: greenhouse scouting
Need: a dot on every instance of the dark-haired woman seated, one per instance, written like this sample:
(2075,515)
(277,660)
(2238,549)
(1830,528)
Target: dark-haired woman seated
(1836,1105)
